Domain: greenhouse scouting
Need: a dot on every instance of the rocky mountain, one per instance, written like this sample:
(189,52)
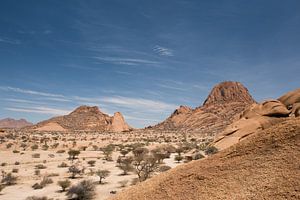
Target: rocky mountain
(85,118)
(224,103)
(263,166)
(13,123)
(259,117)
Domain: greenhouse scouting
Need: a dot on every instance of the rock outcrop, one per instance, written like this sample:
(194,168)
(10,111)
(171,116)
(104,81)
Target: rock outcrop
(85,118)
(13,123)
(259,117)
(263,166)
(223,104)
(228,91)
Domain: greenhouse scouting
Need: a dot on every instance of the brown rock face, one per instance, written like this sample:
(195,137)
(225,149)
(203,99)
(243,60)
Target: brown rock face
(269,159)
(85,118)
(257,118)
(292,101)
(224,103)
(229,91)
(13,123)
(118,123)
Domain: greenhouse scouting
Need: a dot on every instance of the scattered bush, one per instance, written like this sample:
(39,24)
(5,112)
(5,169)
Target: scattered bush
(15,170)
(2,187)
(36,198)
(178,158)
(123,183)
(211,150)
(74,170)
(17,163)
(37,172)
(84,190)
(8,179)
(40,166)
(63,165)
(164,168)
(73,153)
(34,147)
(36,155)
(43,183)
(61,151)
(64,184)
(91,163)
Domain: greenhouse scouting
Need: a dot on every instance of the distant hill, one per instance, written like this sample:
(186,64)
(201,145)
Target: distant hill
(84,118)
(13,123)
(224,103)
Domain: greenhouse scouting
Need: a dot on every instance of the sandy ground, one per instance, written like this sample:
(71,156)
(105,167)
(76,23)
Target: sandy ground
(26,177)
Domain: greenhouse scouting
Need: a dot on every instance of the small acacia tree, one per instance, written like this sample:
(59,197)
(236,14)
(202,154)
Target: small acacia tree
(107,151)
(73,153)
(91,163)
(145,164)
(102,174)
(125,165)
(74,170)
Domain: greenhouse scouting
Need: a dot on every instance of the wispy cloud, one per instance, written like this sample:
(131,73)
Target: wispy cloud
(163,51)
(173,87)
(9,41)
(40,110)
(151,105)
(31,92)
(126,61)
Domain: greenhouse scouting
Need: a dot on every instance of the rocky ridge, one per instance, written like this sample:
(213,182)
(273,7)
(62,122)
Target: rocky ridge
(13,123)
(259,117)
(223,104)
(85,118)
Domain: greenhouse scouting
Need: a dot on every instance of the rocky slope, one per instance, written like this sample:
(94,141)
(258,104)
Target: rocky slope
(223,104)
(259,117)
(85,118)
(263,166)
(13,123)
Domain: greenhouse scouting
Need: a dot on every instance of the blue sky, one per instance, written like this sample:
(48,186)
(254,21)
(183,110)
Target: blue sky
(143,58)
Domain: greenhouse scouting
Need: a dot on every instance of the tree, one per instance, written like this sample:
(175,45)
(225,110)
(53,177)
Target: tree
(64,184)
(73,153)
(125,165)
(107,151)
(160,154)
(84,190)
(145,165)
(102,174)
(74,170)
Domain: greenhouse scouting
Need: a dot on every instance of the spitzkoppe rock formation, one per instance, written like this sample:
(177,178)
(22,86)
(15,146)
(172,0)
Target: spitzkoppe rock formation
(85,118)
(223,104)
